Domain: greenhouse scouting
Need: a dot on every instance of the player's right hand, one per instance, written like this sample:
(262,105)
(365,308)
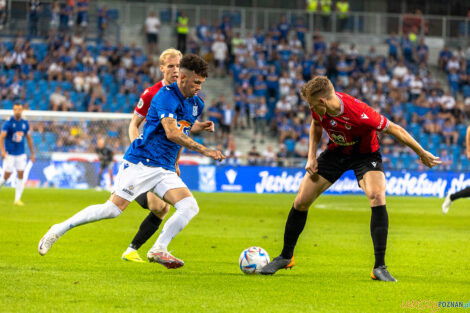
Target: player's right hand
(4,155)
(215,154)
(429,159)
(312,166)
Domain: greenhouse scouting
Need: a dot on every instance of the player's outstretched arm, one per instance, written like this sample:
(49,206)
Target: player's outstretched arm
(201,126)
(404,137)
(315,135)
(29,139)
(467,141)
(3,135)
(134,126)
(173,133)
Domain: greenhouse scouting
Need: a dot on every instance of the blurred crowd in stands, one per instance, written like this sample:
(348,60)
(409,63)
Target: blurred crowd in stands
(65,72)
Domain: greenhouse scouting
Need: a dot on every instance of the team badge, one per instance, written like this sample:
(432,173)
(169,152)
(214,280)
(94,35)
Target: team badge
(333,123)
(140,104)
(347,126)
(194,110)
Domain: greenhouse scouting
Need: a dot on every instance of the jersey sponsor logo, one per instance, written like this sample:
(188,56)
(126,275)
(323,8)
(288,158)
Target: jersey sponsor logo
(140,104)
(333,123)
(364,116)
(195,107)
(382,120)
(374,164)
(126,165)
(17,137)
(128,191)
(339,138)
(184,127)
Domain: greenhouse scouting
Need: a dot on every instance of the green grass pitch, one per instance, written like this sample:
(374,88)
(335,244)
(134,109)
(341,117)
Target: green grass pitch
(427,252)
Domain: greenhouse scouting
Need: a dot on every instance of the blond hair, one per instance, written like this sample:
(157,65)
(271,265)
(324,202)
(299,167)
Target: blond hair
(171,52)
(317,87)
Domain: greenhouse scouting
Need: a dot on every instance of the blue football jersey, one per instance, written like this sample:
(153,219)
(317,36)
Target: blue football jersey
(16,132)
(153,148)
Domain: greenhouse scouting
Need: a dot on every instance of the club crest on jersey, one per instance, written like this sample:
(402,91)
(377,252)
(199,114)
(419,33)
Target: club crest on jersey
(347,126)
(140,104)
(194,110)
(333,123)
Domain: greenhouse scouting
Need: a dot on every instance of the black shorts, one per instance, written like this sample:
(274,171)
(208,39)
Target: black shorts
(106,165)
(152,38)
(142,200)
(332,164)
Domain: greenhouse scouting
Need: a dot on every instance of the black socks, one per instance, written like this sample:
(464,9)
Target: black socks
(294,226)
(378,232)
(148,227)
(465,193)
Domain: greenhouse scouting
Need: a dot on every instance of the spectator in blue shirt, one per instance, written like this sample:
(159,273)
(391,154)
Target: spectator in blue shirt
(393,45)
(301,29)
(444,57)
(283,27)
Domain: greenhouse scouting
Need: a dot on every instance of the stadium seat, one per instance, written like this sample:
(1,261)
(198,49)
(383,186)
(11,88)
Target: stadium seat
(394,162)
(415,130)
(462,130)
(435,140)
(37,138)
(7,104)
(290,145)
(464,163)
(66,85)
(466,91)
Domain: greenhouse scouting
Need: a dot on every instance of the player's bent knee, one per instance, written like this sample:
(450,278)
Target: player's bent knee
(301,204)
(376,197)
(188,206)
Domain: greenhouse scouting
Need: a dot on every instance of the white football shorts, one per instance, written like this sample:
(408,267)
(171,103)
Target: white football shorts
(14,162)
(135,179)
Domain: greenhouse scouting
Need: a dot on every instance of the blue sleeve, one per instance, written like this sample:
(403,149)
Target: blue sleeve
(166,104)
(6,126)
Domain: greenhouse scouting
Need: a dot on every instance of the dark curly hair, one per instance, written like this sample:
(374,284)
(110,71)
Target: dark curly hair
(196,64)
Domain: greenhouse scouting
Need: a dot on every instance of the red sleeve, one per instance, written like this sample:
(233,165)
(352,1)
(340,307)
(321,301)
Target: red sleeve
(143,105)
(370,118)
(315,115)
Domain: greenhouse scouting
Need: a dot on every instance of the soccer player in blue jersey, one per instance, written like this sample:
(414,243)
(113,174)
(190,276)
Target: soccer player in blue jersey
(149,163)
(14,131)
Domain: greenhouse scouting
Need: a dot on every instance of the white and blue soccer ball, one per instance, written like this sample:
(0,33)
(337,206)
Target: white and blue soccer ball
(253,259)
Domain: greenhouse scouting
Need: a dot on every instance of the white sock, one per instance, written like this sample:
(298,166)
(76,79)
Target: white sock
(129,250)
(89,214)
(19,189)
(2,181)
(186,209)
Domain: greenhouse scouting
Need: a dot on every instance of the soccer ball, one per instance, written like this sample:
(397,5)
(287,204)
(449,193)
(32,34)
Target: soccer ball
(253,259)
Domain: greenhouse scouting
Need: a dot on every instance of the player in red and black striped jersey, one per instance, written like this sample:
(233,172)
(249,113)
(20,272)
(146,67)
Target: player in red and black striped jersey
(351,126)
(170,67)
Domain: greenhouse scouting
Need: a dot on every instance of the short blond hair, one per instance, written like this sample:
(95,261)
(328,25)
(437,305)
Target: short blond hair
(317,87)
(171,52)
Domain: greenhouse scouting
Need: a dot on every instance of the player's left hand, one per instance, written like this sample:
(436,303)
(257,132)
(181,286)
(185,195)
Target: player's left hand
(429,159)
(33,158)
(208,126)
